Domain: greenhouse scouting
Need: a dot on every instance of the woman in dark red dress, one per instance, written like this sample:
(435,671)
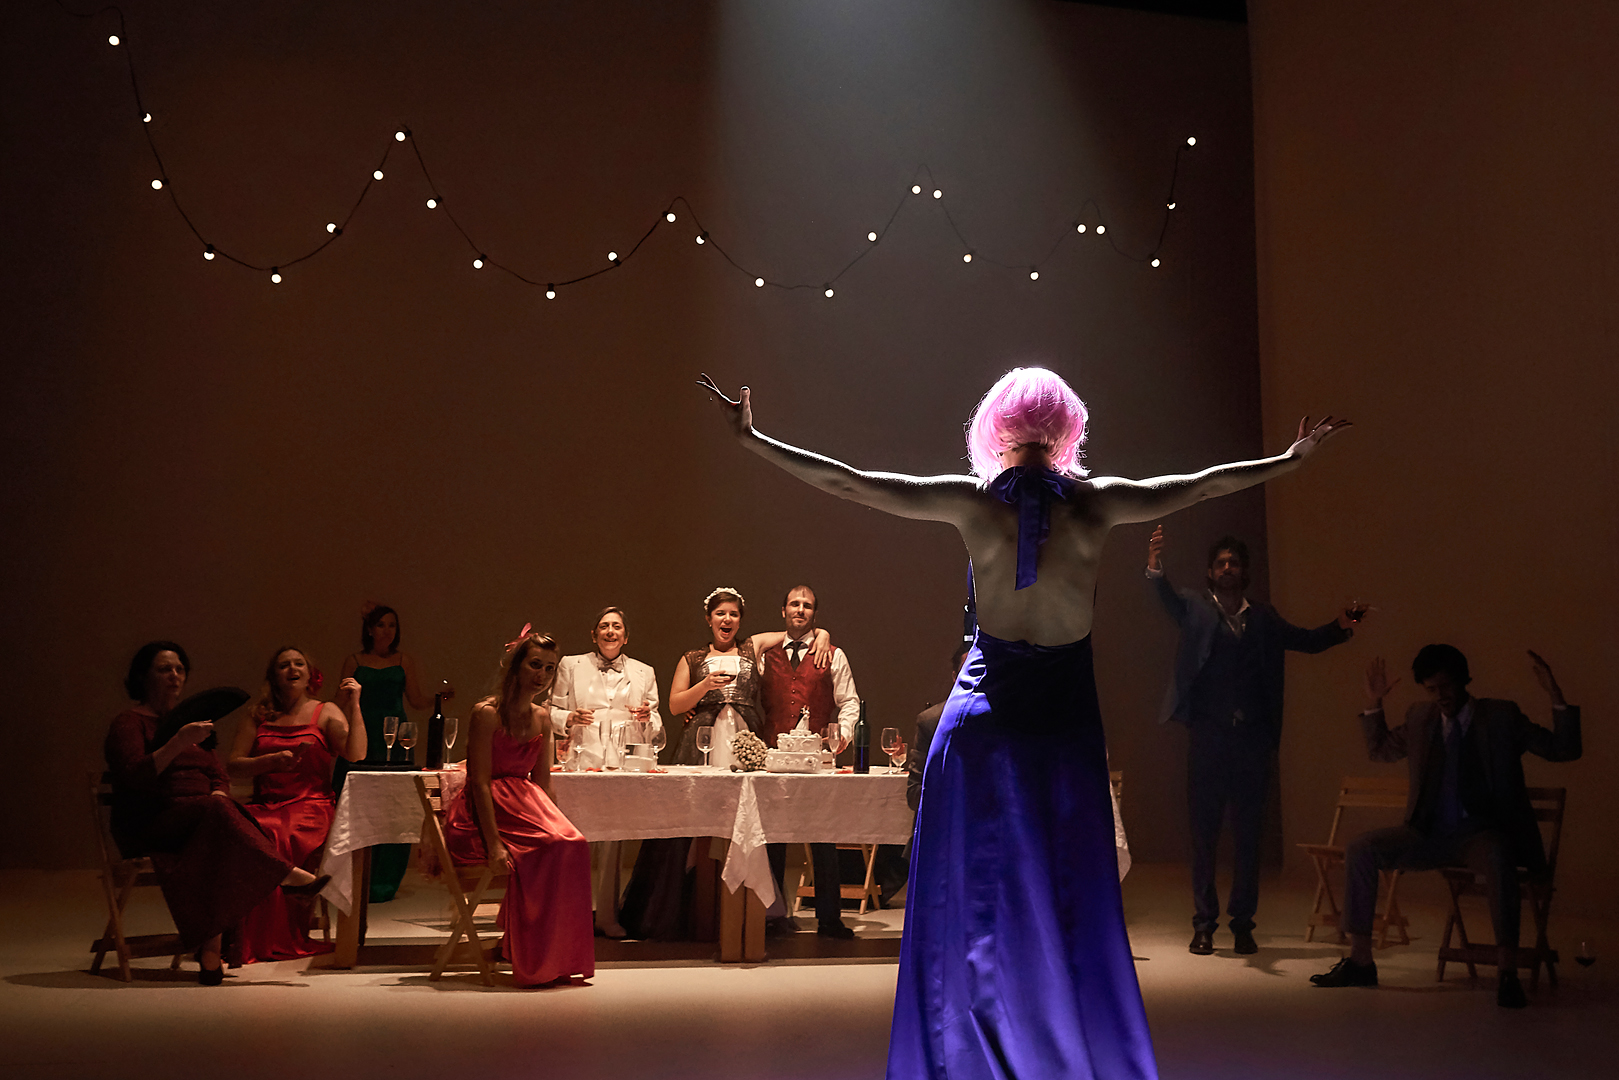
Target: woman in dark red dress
(172,802)
(288,748)
(505,817)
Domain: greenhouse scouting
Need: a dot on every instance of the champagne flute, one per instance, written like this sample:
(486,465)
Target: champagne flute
(451,724)
(705,742)
(390,730)
(407,738)
(576,752)
(890,745)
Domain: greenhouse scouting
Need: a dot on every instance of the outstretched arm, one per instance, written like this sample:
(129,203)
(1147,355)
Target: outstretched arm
(1122,501)
(927,498)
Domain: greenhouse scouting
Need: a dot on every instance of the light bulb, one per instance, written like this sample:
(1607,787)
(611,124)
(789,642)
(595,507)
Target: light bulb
(477,264)
(1100,229)
(701,239)
(399,136)
(146,118)
(612,256)
(1034,275)
(937,194)
(113,40)
(1170,206)
(331,226)
(209,253)
(275,277)
(829,291)
(872,237)
(1190,141)
(967,257)
(550,292)
(916,189)
(432,204)
(1155,262)
(377,175)
(157,185)
(670,216)
(1080,227)
(758,282)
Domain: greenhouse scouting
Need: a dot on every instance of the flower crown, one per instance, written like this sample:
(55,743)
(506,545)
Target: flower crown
(723,589)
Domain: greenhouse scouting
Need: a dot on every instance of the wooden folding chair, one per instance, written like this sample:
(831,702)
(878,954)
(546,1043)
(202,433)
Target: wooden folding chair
(120,877)
(868,893)
(469,886)
(1548,804)
(1357,793)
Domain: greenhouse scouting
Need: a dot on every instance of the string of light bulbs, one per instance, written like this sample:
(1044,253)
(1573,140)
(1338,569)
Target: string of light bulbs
(1088,220)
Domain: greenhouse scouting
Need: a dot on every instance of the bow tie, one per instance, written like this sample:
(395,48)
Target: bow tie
(1031,490)
(615,664)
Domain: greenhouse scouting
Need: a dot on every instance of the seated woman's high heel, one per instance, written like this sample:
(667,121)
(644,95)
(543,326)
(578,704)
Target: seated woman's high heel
(207,976)
(308,888)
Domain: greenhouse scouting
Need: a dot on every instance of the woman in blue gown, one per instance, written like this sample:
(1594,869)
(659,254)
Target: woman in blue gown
(1016,964)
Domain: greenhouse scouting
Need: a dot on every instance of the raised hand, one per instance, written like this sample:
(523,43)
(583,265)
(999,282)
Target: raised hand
(1313,435)
(739,414)
(1544,676)
(1155,549)
(1378,685)
(348,691)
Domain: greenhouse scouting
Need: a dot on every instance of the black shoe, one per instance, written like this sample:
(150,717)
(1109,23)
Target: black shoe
(781,927)
(1347,973)
(1246,945)
(1509,991)
(835,930)
(312,888)
(216,976)
(1202,943)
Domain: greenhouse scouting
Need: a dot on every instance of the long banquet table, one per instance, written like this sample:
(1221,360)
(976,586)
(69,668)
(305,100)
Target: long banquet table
(743,811)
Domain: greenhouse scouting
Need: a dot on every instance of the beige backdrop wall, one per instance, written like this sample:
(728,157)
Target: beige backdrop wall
(193,452)
(1439,260)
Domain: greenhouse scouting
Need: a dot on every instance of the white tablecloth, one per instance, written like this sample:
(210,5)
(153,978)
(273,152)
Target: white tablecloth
(748,809)
(375,808)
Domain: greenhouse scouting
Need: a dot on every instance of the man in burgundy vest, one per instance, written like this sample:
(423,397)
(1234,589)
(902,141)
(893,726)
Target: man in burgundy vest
(792,683)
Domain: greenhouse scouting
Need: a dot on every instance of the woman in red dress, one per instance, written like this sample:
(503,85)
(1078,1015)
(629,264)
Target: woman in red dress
(505,817)
(171,801)
(289,748)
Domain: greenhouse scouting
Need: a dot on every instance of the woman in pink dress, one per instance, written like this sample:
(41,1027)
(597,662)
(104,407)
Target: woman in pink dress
(505,817)
(288,746)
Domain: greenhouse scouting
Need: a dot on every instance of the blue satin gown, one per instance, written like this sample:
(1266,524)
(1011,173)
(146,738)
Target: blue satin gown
(1016,964)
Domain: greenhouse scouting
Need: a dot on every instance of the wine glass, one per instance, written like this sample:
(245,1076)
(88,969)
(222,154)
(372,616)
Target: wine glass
(891,745)
(834,739)
(390,730)
(407,738)
(1586,956)
(451,724)
(576,753)
(705,742)
(898,757)
(658,740)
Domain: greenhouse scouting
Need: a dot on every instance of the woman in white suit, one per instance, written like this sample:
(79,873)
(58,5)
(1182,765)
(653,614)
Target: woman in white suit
(588,684)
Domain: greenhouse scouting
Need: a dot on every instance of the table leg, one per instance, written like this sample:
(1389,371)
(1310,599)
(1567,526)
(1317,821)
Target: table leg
(753,928)
(733,913)
(347,952)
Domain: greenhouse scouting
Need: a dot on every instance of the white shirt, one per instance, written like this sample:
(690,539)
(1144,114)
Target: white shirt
(584,683)
(845,699)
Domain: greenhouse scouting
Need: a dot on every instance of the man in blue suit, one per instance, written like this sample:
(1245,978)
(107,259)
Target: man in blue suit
(1227,690)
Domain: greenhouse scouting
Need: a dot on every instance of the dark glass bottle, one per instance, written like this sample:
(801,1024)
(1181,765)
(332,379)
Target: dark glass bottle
(862,742)
(435,734)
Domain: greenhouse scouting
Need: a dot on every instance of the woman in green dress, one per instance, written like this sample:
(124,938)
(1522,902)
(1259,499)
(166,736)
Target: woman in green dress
(388,681)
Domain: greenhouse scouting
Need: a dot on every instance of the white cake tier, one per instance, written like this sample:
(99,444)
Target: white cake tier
(802,744)
(792,761)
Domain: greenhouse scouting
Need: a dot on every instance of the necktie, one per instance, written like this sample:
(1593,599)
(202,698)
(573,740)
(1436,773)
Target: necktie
(797,648)
(1451,810)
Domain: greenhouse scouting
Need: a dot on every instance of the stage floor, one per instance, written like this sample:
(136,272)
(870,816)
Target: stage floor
(1213,1018)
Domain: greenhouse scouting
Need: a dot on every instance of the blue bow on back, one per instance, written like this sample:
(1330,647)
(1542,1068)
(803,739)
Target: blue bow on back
(1032,489)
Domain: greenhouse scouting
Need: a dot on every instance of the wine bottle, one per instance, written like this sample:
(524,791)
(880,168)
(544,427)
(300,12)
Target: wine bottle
(862,742)
(435,733)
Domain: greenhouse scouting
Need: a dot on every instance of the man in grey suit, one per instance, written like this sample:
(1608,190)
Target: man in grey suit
(1467,804)
(1227,690)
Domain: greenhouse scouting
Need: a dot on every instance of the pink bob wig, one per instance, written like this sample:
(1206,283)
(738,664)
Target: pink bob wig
(1028,405)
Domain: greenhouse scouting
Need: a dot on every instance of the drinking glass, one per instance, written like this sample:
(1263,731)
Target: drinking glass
(705,742)
(390,729)
(407,738)
(658,740)
(450,726)
(890,744)
(1586,956)
(898,756)
(576,738)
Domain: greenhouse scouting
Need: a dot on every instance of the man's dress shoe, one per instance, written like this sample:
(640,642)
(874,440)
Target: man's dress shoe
(1202,943)
(1246,945)
(1347,973)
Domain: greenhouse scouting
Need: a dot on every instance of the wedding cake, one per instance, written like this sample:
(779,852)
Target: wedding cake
(797,751)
